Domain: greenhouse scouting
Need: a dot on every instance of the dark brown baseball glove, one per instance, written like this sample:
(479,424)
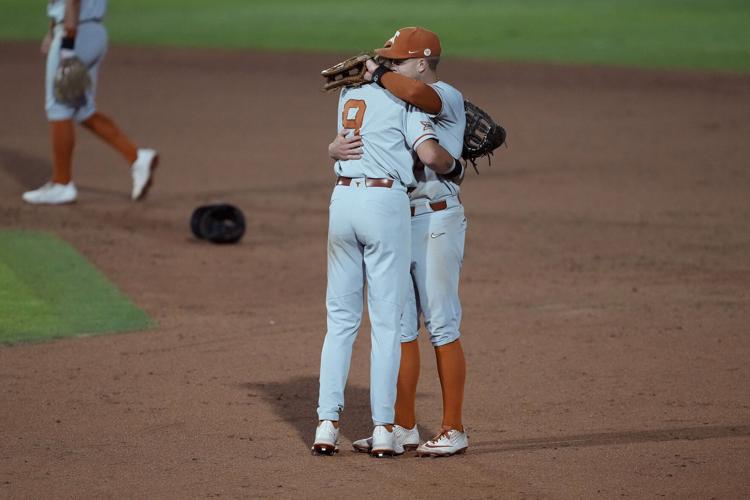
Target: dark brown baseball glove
(72,80)
(347,73)
(482,135)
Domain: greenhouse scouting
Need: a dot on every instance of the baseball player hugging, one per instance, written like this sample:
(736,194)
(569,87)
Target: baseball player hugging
(438,228)
(369,241)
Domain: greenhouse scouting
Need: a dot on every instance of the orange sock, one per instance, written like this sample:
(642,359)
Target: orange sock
(451,366)
(106,129)
(406,389)
(62,134)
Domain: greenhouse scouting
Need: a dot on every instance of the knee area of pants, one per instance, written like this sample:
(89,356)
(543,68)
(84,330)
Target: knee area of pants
(443,339)
(409,338)
(59,113)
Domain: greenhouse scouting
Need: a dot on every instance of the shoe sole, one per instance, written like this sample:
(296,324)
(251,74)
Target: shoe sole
(383,453)
(41,203)
(150,181)
(367,449)
(361,449)
(433,454)
(324,450)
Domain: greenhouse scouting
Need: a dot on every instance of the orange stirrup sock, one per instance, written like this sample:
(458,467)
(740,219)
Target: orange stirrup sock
(406,389)
(106,129)
(62,134)
(452,370)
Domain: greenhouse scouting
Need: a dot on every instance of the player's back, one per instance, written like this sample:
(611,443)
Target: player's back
(389,133)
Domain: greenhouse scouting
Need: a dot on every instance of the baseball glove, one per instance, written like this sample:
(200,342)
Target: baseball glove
(72,80)
(348,73)
(482,135)
(218,223)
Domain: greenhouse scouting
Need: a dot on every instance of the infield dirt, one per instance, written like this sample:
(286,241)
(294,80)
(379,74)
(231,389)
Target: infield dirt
(606,289)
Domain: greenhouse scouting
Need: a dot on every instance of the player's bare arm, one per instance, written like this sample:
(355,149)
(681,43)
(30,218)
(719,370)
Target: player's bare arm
(407,89)
(72,15)
(435,157)
(346,148)
(47,40)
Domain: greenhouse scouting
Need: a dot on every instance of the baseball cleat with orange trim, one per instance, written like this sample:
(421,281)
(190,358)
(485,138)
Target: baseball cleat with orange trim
(445,444)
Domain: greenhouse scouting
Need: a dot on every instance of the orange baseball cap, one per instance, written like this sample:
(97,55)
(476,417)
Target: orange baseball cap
(411,42)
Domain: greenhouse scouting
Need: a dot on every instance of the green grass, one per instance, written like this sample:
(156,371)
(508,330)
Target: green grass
(49,290)
(698,34)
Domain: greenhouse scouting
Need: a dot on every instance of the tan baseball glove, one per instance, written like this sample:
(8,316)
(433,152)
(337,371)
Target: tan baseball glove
(72,80)
(347,73)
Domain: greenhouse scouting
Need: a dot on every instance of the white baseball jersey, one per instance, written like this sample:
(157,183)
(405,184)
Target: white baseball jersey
(90,9)
(449,124)
(390,130)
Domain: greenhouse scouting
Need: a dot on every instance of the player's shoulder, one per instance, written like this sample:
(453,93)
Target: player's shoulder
(369,92)
(447,91)
(453,102)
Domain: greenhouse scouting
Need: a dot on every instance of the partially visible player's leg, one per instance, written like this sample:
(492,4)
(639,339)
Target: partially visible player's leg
(405,434)
(60,189)
(408,375)
(62,136)
(344,303)
(385,233)
(344,296)
(109,132)
(92,39)
(442,313)
(406,389)
(451,365)
(384,229)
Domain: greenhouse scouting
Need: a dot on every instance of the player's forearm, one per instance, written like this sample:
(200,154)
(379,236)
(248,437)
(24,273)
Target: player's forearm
(414,92)
(435,157)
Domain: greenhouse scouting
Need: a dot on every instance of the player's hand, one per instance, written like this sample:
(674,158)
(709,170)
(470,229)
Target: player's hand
(46,42)
(371,66)
(346,148)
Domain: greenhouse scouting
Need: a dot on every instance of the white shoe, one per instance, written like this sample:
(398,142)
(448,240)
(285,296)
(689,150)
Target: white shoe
(445,444)
(382,442)
(326,439)
(52,194)
(403,440)
(143,172)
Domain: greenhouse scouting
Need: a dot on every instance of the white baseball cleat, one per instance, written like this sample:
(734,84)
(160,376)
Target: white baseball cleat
(143,172)
(52,194)
(326,439)
(445,444)
(382,442)
(403,440)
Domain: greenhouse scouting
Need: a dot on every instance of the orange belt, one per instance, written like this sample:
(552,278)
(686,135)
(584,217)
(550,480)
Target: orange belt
(369,182)
(435,207)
